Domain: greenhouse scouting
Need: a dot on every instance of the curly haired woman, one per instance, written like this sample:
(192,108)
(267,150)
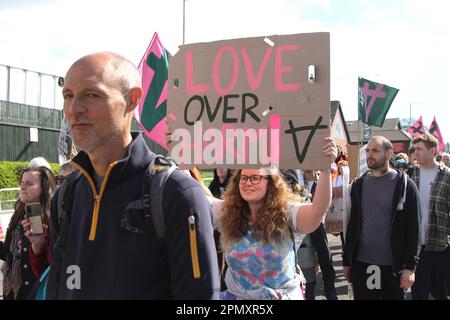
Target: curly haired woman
(262,224)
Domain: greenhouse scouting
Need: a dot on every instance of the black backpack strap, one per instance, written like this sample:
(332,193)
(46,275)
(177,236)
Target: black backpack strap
(151,203)
(160,173)
(126,222)
(156,175)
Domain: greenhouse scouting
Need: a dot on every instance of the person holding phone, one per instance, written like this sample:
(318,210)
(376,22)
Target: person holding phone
(36,189)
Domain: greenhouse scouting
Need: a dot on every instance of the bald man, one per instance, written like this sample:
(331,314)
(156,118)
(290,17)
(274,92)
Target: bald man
(382,240)
(102,260)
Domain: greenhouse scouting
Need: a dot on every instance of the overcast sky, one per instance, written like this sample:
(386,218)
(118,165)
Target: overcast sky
(402,43)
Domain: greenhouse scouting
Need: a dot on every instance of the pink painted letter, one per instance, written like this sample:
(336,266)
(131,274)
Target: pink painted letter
(216,79)
(255,80)
(280,69)
(191,87)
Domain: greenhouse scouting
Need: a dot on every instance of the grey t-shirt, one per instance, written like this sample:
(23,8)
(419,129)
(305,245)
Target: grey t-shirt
(375,237)
(427,177)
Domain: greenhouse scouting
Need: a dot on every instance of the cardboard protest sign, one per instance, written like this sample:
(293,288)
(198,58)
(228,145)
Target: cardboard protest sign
(248,103)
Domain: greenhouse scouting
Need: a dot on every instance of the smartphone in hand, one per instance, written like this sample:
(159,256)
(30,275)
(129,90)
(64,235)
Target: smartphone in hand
(34,214)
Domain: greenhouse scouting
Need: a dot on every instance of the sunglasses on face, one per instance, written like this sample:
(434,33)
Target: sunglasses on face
(59,180)
(254,179)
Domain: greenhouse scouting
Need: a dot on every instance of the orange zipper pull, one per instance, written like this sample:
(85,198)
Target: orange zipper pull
(193,244)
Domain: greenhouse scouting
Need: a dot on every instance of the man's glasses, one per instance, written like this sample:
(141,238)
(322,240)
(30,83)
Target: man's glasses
(59,180)
(254,179)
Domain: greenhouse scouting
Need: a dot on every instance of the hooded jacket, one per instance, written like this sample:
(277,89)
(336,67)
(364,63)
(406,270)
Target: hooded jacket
(405,232)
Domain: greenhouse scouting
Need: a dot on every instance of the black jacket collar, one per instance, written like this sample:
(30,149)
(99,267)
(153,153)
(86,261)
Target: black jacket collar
(137,157)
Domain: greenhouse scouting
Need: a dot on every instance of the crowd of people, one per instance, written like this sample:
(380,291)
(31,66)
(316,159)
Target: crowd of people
(253,234)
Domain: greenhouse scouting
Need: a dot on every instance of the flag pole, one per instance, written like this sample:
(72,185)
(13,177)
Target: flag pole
(360,136)
(361,132)
(410,119)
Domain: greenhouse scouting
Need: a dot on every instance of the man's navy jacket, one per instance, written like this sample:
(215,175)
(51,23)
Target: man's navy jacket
(114,263)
